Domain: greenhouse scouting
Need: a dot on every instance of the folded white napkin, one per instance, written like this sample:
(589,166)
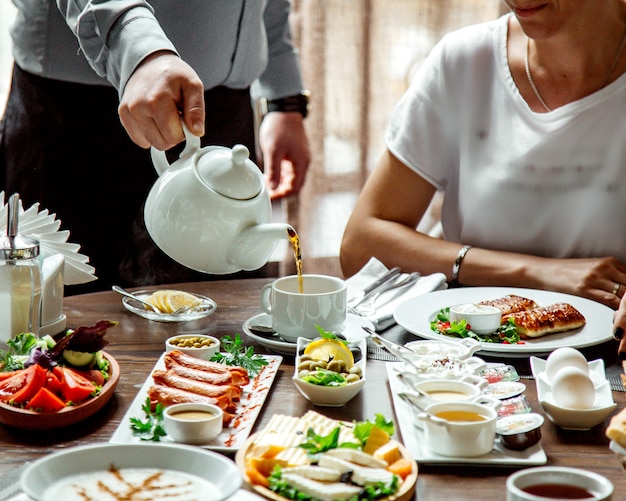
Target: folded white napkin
(383,317)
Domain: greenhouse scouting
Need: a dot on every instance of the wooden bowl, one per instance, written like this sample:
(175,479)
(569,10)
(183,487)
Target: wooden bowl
(405,493)
(32,420)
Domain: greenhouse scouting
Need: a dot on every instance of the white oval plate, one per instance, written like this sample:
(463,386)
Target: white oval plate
(415,315)
(205,309)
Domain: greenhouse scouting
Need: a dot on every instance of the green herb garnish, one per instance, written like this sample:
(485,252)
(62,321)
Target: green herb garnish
(239,355)
(152,428)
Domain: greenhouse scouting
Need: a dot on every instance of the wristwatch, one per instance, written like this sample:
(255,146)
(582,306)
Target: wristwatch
(298,102)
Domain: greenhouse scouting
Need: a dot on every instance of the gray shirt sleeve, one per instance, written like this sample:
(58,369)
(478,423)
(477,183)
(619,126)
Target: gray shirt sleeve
(115,36)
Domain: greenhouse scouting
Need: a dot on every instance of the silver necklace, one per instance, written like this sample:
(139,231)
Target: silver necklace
(606,80)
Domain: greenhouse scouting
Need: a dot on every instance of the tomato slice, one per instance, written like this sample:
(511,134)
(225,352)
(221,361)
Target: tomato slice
(76,387)
(45,401)
(54,380)
(22,386)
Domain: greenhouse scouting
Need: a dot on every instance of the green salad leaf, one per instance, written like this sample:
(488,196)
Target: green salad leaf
(505,334)
(324,377)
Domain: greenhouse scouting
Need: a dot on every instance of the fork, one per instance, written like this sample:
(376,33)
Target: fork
(368,306)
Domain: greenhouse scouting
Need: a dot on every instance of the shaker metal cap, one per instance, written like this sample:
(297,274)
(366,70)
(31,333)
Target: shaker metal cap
(12,245)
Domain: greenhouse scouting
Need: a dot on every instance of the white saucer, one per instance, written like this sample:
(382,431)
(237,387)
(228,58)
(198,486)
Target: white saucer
(352,331)
(54,327)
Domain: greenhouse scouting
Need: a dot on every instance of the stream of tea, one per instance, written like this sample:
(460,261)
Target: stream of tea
(297,254)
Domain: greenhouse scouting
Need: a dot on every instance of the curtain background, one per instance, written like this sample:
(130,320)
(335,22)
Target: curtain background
(358,57)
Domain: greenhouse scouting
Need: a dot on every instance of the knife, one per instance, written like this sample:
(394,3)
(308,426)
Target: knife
(371,288)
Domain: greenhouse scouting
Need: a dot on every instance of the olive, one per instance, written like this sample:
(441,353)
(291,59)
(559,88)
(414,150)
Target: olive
(355,369)
(336,366)
(303,373)
(352,378)
(318,363)
(306,365)
(304,357)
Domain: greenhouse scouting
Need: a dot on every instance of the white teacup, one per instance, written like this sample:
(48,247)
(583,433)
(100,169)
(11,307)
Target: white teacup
(323,302)
(553,482)
(449,428)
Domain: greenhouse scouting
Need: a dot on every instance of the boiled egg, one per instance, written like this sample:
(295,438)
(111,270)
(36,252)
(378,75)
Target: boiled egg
(573,388)
(565,357)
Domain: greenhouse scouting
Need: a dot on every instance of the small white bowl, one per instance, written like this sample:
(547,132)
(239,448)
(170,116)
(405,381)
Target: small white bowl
(331,396)
(193,423)
(482,319)
(575,419)
(204,352)
(442,348)
(221,473)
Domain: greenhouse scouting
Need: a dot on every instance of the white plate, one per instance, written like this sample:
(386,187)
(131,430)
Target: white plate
(231,439)
(352,331)
(205,309)
(415,315)
(240,495)
(413,438)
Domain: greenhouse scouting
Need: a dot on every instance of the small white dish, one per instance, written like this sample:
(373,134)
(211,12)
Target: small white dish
(219,473)
(482,319)
(331,396)
(575,419)
(461,349)
(196,345)
(206,308)
(193,423)
(353,330)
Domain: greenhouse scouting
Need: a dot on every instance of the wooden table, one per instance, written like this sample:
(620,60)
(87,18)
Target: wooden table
(137,344)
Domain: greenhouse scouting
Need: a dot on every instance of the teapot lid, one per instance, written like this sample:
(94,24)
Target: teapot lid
(230,173)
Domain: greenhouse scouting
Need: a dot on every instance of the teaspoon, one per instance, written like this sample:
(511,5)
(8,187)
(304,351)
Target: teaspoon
(130,295)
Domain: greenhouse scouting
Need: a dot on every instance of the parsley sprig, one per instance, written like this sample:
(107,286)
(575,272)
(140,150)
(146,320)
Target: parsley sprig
(237,354)
(152,428)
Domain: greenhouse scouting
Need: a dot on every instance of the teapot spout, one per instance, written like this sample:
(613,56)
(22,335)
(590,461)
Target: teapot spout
(253,246)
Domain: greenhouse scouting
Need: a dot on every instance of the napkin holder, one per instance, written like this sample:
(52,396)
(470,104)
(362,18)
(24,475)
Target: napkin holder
(52,320)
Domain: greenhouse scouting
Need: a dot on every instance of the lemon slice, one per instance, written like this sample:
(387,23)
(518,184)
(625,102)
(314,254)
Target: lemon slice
(168,301)
(330,349)
(177,299)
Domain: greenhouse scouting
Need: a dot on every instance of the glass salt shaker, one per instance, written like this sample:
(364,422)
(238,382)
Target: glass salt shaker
(20,279)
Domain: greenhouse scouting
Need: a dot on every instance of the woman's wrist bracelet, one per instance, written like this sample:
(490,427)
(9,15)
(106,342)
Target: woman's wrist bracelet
(456,267)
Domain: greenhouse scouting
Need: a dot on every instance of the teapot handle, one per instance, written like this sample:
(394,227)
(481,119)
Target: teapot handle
(160,160)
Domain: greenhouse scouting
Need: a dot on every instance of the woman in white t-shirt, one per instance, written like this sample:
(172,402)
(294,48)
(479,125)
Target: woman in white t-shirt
(520,123)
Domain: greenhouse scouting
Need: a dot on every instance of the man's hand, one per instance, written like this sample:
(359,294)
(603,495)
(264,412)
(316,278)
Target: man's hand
(161,89)
(286,154)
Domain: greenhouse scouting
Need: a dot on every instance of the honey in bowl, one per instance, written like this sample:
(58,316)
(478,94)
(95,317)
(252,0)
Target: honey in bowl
(460,416)
(447,395)
(559,491)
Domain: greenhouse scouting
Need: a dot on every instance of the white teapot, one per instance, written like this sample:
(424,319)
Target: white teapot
(210,209)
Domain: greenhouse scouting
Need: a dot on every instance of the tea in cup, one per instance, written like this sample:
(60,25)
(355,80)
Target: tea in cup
(294,314)
(557,483)
(461,429)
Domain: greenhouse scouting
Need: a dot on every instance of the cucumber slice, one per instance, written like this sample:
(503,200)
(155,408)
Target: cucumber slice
(78,358)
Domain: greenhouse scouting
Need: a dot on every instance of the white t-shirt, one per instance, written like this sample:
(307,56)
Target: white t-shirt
(549,184)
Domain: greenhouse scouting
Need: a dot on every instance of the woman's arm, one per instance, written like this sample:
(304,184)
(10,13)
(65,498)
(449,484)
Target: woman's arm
(383,223)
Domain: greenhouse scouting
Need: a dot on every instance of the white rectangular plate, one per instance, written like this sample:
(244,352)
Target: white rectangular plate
(413,438)
(232,438)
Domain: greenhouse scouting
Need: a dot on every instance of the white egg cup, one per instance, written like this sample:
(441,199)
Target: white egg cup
(575,419)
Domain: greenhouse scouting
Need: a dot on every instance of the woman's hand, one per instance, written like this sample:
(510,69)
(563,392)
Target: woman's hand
(599,279)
